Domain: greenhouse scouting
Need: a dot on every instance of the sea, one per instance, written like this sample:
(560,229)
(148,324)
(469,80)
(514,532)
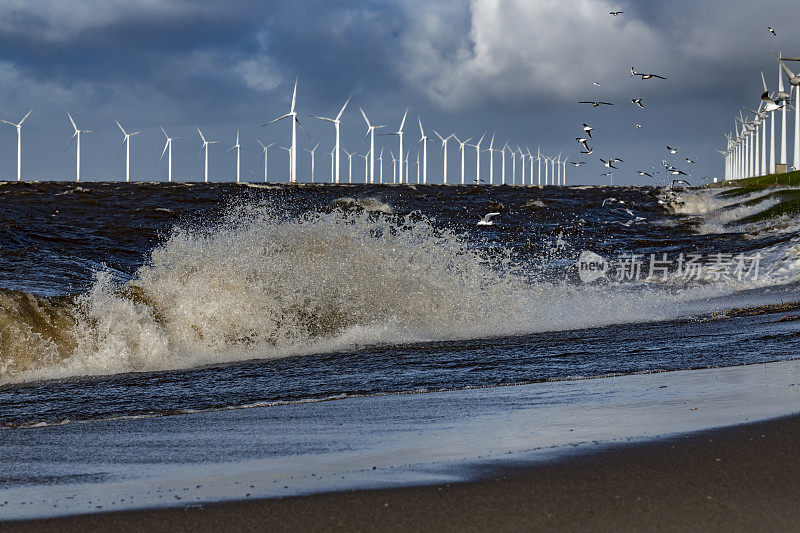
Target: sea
(122,301)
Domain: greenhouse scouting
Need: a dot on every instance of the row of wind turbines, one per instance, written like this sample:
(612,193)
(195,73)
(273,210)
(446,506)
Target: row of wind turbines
(554,167)
(746,151)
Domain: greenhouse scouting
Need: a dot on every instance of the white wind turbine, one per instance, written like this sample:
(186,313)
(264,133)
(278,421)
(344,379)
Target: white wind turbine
(424,139)
(126,141)
(772,131)
(444,154)
(394,167)
(366,167)
(265,148)
(491,151)
(167,148)
(399,133)
(477,147)
(295,122)
(205,148)
(332,154)
(312,160)
(238,148)
(461,148)
(19,141)
(371,134)
(416,164)
(336,123)
(288,151)
(530,161)
(77,135)
(522,164)
(539,166)
(503,173)
(513,165)
(380,164)
(349,165)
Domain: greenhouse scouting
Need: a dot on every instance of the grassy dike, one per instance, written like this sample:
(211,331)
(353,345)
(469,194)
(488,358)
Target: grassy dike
(788,199)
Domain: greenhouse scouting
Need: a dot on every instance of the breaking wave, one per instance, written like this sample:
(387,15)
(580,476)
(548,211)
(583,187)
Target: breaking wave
(259,284)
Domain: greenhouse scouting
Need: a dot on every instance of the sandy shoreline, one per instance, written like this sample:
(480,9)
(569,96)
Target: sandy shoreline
(738,478)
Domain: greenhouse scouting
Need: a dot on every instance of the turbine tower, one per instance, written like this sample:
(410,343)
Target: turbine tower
(491,151)
(19,141)
(205,148)
(444,154)
(784,96)
(349,165)
(265,148)
(167,147)
(332,153)
(503,172)
(371,134)
(424,140)
(126,141)
(312,160)
(76,135)
(462,144)
(238,149)
(295,122)
(399,133)
(336,122)
(477,147)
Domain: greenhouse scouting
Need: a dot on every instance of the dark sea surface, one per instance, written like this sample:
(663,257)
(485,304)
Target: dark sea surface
(122,300)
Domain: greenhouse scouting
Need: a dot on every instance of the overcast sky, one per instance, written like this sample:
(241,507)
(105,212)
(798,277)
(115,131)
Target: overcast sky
(513,67)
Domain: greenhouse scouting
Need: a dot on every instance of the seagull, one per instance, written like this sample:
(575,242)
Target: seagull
(578,163)
(637,126)
(588,129)
(772,31)
(643,173)
(583,141)
(487,219)
(612,200)
(595,104)
(607,164)
(606,174)
(681,181)
(587,151)
(645,76)
(596,83)
(617,13)
(677,172)
(672,150)
(770,104)
(615,159)
(689,160)
(637,101)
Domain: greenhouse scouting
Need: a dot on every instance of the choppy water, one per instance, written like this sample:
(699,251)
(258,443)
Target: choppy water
(144,299)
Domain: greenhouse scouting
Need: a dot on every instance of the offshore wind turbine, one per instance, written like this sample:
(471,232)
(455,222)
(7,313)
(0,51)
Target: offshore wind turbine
(167,148)
(18,125)
(444,155)
(366,167)
(424,140)
(503,173)
(371,134)
(380,165)
(770,109)
(205,148)
(539,166)
(349,165)
(477,147)
(491,151)
(336,122)
(312,160)
(513,165)
(522,163)
(295,122)
(462,144)
(332,153)
(417,165)
(265,148)
(530,161)
(399,133)
(76,135)
(126,141)
(238,148)
(784,96)
(394,167)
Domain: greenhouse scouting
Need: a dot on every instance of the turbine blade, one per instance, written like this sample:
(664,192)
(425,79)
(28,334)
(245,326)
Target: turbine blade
(201,135)
(164,151)
(121,128)
(72,121)
(165,132)
(322,118)
(277,119)
(70,142)
(403,121)
(341,112)
(25,117)
(294,94)
(301,127)
(365,116)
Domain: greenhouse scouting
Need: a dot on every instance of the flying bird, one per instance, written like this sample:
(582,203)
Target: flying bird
(672,150)
(638,102)
(617,13)
(645,76)
(487,219)
(772,31)
(578,163)
(588,129)
(596,83)
(689,160)
(608,164)
(583,141)
(637,126)
(595,104)
(643,173)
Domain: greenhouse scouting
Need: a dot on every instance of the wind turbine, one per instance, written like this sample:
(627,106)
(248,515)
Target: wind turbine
(539,166)
(521,162)
(772,132)
(295,122)
(19,141)
(371,134)
(444,154)
(394,167)
(332,153)
(424,140)
(336,122)
(289,151)
(503,151)
(477,147)
(238,148)
(205,148)
(417,165)
(312,160)
(513,165)
(349,165)
(77,135)
(399,133)
(380,164)
(491,151)
(167,147)
(461,148)
(366,167)
(127,142)
(266,154)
